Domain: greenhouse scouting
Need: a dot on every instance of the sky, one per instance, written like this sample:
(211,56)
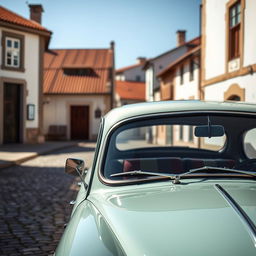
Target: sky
(140,28)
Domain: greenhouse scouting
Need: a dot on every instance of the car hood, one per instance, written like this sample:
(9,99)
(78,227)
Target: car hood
(186,219)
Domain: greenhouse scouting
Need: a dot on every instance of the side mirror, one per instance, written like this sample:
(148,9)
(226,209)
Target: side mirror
(74,166)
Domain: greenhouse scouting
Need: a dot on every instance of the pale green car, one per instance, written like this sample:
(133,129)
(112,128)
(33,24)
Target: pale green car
(168,178)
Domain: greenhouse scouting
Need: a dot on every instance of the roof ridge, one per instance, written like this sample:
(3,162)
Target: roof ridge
(21,17)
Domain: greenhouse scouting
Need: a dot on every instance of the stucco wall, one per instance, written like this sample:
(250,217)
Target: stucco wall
(130,75)
(57,111)
(217,91)
(250,33)
(215,40)
(31,74)
(158,65)
(189,89)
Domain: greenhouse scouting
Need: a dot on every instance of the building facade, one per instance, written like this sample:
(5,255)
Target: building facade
(78,90)
(228,55)
(130,83)
(156,65)
(21,76)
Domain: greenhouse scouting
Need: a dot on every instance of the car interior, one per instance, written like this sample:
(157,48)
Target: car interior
(175,144)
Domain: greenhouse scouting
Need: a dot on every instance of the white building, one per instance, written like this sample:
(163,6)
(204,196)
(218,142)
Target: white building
(156,65)
(21,75)
(132,73)
(228,50)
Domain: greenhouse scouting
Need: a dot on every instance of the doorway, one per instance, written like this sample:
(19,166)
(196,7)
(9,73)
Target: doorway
(79,122)
(12,113)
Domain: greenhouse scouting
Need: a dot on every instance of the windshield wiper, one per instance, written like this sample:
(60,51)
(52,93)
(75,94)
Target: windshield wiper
(176,178)
(139,172)
(213,169)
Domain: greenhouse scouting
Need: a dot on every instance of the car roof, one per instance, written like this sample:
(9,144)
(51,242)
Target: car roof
(157,107)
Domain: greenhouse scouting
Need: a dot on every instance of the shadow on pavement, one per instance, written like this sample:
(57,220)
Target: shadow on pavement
(34,208)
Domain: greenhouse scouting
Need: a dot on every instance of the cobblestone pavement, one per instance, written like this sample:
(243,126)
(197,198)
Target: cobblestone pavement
(34,202)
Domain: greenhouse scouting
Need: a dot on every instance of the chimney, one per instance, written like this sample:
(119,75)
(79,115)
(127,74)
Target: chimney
(181,37)
(112,45)
(36,12)
(141,60)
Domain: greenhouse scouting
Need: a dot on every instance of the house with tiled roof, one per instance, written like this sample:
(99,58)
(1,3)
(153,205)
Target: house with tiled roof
(180,80)
(159,63)
(133,72)
(130,83)
(24,42)
(78,90)
(128,92)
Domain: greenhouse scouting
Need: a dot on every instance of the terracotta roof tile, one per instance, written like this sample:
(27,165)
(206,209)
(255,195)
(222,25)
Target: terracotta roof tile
(13,18)
(120,70)
(131,90)
(56,82)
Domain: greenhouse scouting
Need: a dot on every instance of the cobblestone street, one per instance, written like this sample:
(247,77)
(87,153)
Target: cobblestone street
(35,202)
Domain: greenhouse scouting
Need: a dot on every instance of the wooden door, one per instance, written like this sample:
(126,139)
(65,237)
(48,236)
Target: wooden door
(79,122)
(12,113)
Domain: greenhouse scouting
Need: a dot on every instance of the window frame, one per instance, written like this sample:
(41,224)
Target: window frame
(234,31)
(191,70)
(13,37)
(182,74)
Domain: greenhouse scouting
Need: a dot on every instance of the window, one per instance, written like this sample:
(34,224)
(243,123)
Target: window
(181,132)
(234,30)
(13,51)
(191,70)
(138,78)
(250,143)
(190,133)
(182,74)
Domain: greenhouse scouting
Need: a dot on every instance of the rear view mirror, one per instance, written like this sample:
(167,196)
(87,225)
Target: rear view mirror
(209,131)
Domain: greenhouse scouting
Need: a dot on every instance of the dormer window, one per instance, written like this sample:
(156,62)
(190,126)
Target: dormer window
(79,72)
(13,51)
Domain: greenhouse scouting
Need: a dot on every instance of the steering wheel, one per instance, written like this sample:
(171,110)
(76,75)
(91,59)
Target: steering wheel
(247,165)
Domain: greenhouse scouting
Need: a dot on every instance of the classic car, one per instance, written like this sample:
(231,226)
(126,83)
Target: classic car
(168,178)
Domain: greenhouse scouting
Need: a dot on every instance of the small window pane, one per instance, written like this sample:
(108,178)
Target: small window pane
(239,8)
(9,43)
(9,61)
(233,12)
(15,62)
(16,44)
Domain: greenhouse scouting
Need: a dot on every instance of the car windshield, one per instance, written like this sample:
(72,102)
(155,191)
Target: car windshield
(176,144)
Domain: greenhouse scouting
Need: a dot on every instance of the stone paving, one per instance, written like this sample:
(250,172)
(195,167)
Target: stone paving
(34,202)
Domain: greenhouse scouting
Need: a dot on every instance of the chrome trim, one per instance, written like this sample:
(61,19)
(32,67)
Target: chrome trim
(239,211)
(72,202)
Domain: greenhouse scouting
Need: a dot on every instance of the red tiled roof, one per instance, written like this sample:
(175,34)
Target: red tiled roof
(55,81)
(131,90)
(120,70)
(13,18)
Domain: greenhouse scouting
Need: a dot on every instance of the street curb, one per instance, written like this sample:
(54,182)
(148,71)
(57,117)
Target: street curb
(34,155)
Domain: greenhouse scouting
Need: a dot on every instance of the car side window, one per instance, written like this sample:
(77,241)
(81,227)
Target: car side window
(250,143)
